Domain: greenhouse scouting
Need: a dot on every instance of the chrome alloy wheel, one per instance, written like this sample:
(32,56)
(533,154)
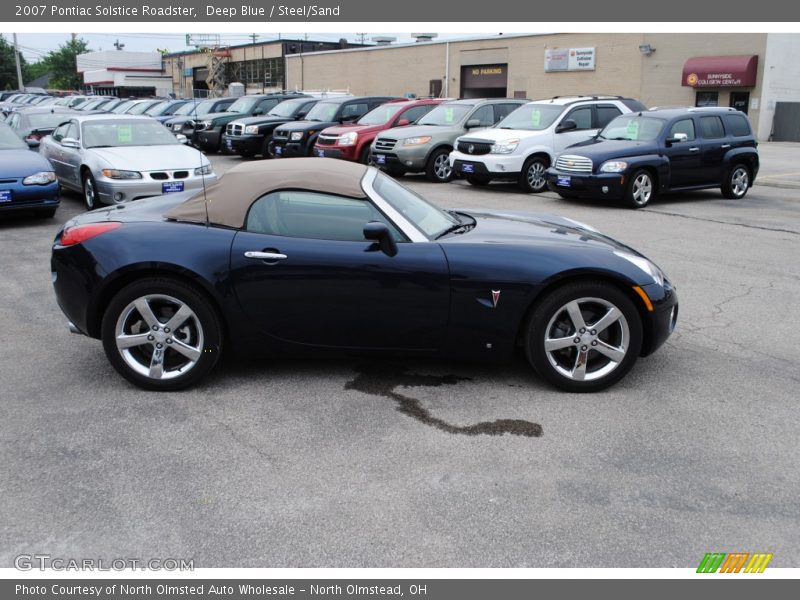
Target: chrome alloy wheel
(159,336)
(740,181)
(535,175)
(441,166)
(586,339)
(642,189)
(89,193)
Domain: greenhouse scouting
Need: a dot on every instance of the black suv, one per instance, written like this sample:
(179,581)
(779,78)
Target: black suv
(298,138)
(637,156)
(251,135)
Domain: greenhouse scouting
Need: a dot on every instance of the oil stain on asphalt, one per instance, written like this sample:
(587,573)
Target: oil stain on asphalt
(382,379)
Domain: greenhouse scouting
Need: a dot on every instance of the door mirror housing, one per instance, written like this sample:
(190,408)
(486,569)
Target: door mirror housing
(70,143)
(258,113)
(566,125)
(348,119)
(403,122)
(473,123)
(379,233)
(678,138)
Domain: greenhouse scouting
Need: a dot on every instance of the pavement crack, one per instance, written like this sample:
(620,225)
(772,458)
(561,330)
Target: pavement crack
(706,220)
(381,380)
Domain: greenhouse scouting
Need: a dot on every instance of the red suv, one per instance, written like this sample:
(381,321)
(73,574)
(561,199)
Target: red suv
(352,142)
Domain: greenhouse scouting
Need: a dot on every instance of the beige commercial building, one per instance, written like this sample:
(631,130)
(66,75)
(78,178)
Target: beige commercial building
(755,72)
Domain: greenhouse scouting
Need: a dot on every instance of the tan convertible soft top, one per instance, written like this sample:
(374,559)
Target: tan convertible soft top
(230,198)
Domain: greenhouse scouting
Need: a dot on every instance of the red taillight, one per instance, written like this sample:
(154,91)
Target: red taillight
(81,233)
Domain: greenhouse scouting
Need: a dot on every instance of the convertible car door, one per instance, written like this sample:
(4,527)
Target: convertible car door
(303,272)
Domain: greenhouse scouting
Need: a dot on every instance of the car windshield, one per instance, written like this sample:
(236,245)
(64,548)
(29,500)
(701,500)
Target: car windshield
(424,216)
(188,108)
(380,115)
(110,134)
(242,105)
(122,106)
(445,114)
(531,117)
(159,109)
(323,111)
(9,140)
(632,128)
(46,120)
(91,105)
(286,108)
(138,109)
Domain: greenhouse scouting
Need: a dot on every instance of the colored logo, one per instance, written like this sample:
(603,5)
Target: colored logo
(692,79)
(495,297)
(735,562)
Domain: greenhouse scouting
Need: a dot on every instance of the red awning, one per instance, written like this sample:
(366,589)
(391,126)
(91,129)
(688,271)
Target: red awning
(720,71)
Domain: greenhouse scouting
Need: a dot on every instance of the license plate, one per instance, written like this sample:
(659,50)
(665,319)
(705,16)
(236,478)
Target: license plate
(321,153)
(278,150)
(5,195)
(171,186)
(229,144)
(467,168)
(380,159)
(564,181)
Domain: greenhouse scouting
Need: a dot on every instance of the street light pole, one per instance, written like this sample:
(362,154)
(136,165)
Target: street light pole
(19,66)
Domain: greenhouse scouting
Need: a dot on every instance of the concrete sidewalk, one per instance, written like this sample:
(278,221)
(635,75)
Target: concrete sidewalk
(780,164)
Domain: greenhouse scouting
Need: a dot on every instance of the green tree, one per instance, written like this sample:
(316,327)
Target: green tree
(61,63)
(8,66)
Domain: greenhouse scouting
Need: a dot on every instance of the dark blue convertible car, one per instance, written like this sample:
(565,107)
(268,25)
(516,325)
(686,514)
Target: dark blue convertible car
(319,256)
(27,180)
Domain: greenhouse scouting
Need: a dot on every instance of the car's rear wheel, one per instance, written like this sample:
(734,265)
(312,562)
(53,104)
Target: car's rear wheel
(477,180)
(641,189)
(438,169)
(736,182)
(584,336)
(161,334)
(532,179)
(90,191)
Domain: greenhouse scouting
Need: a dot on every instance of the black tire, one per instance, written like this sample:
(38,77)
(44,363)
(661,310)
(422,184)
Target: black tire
(200,334)
(90,199)
(641,189)
(550,319)
(532,179)
(438,169)
(46,213)
(477,180)
(265,147)
(364,156)
(736,182)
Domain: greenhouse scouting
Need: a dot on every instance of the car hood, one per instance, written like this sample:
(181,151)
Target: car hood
(308,125)
(221,116)
(605,149)
(21,163)
(263,120)
(151,158)
(398,133)
(495,134)
(340,129)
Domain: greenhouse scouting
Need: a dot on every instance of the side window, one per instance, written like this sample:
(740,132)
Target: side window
(501,111)
(14,121)
(58,133)
(72,131)
(711,128)
(737,125)
(582,117)
(415,112)
(311,215)
(355,110)
(606,113)
(683,126)
(267,105)
(306,107)
(484,114)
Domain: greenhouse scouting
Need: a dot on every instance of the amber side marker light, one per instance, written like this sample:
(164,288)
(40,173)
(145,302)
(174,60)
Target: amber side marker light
(644,297)
(81,233)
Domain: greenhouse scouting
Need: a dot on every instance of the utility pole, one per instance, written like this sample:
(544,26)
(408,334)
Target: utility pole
(361,37)
(19,66)
(254,37)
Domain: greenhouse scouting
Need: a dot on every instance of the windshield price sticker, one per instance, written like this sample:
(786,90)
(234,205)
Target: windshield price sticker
(448,115)
(633,129)
(124,134)
(536,117)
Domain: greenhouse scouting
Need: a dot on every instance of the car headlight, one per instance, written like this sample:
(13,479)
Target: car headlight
(176,126)
(205,125)
(117,174)
(613,166)
(40,178)
(644,264)
(347,139)
(296,136)
(204,170)
(417,141)
(250,129)
(505,147)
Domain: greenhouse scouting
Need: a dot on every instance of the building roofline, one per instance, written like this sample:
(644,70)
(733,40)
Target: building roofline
(266,43)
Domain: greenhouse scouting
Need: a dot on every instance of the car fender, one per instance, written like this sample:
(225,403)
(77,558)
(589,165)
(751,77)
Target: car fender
(747,154)
(537,149)
(656,162)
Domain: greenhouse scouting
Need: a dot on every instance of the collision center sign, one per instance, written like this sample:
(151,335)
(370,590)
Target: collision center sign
(569,59)
(720,71)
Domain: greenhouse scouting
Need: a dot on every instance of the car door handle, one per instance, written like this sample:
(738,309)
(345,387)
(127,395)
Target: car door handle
(694,149)
(258,255)
(725,146)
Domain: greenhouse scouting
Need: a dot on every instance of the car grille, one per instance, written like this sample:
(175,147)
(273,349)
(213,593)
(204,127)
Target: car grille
(164,175)
(327,140)
(474,147)
(385,144)
(574,164)
(234,129)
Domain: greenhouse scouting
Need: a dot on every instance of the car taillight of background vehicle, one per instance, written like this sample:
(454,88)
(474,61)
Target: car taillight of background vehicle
(81,233)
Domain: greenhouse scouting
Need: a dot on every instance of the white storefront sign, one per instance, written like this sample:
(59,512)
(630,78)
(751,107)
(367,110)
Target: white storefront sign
(569,59)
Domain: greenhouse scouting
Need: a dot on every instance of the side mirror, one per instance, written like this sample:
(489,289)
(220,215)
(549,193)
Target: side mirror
(678,138)
(182,138)
(70,143)
(566,125)
(300,116)
(32,144)
(473,123)
(378,232)
(403,123)
(258,113)
(348,119)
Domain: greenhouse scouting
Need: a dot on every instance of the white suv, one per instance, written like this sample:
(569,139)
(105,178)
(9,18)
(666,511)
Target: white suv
(524,144)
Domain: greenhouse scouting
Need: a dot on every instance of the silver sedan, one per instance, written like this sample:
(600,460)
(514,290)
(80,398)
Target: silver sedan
(118,158)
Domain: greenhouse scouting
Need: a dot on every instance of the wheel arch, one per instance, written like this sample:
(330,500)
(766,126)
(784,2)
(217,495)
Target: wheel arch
(539,153)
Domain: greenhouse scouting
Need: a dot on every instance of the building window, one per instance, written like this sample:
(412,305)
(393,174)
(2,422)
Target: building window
(707,99)
(267,72)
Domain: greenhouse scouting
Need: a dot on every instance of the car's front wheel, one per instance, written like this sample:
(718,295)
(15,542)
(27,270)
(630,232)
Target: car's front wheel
(641,189)
(532,179)
(89,191)
(438,169)
(736,182)
(161,334)
(584,336)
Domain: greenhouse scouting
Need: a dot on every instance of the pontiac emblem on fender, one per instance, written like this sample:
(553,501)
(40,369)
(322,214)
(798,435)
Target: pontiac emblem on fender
(470,149)
(495,298)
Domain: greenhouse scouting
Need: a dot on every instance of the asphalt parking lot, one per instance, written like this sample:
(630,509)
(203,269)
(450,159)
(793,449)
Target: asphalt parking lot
(356,463)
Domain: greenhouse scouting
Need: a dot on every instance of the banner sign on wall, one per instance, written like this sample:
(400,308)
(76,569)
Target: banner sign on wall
(569,59)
